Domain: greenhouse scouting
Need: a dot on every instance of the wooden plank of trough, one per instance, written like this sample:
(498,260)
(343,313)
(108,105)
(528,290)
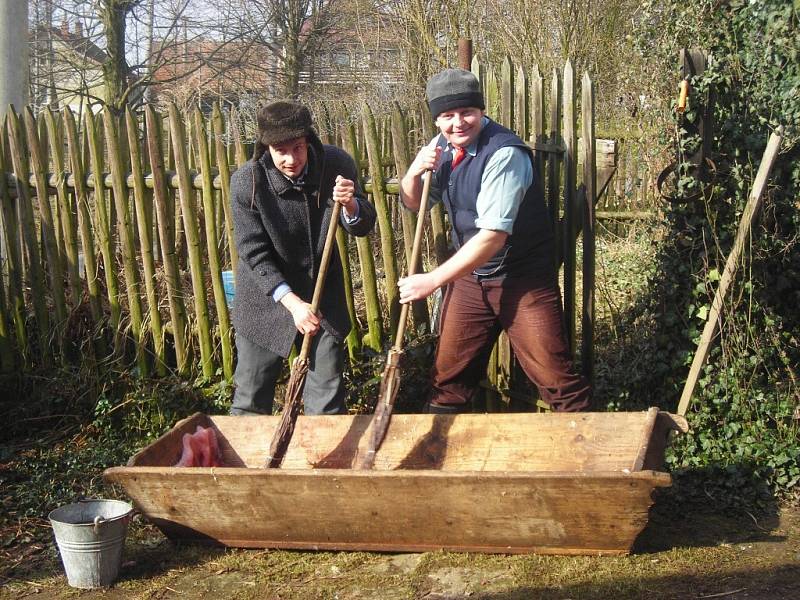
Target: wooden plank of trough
(666,425)
(561,513)
(647,434)
(509,442)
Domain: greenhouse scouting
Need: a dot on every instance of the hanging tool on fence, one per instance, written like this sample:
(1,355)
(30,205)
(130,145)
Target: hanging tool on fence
(683,96)
(749,216)
(297,379)
(693,160)
(390,379)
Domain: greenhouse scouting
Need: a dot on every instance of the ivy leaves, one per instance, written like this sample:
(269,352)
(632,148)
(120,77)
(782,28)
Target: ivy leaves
(745,430)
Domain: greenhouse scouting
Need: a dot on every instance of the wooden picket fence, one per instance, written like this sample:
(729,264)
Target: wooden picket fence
(116,230)
(631,194)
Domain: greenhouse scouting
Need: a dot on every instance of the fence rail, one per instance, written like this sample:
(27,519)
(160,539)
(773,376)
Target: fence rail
(116,229)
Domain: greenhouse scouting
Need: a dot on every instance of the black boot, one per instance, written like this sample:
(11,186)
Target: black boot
(431,408)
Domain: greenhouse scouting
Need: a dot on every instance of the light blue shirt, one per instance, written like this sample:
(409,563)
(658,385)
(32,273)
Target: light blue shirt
(506,177)
(280,291)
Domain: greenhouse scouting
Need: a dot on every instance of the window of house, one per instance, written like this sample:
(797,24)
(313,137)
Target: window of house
(341,59)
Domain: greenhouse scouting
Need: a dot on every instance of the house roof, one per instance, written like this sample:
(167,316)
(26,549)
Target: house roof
(77,42)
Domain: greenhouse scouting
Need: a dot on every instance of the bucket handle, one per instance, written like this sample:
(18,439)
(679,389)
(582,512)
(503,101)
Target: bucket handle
(98,520)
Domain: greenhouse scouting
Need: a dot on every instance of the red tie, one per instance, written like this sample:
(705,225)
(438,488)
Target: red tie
(459,156)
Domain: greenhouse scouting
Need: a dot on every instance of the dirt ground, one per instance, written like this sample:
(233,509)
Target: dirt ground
(684,552)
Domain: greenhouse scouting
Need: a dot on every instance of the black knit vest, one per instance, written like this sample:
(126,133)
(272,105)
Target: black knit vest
(529,249)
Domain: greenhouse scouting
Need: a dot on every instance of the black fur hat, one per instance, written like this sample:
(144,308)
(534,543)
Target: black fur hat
(283,120)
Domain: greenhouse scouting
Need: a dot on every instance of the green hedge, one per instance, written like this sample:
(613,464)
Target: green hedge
(745,419)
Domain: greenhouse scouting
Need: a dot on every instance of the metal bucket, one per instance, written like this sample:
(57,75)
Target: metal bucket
(90,535)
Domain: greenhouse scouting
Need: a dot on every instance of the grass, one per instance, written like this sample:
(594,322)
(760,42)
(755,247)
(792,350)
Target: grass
(696,554)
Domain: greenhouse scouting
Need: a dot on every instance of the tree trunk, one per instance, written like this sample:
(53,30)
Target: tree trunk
(115,68)
(293,62)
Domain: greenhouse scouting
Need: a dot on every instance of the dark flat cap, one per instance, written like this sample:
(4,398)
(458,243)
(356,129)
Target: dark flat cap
(454,88)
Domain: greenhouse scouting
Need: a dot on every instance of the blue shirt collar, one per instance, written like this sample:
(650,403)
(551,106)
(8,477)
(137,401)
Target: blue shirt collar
(300,180)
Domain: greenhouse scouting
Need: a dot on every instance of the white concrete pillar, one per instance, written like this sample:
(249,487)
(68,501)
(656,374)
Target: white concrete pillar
(13,54)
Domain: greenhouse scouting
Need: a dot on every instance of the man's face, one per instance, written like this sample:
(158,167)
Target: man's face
(460,126)
(290,156)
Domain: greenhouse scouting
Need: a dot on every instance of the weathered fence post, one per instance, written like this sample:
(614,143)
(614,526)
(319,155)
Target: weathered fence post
(39,167)
(438,227)
(103,227)
(537,122)
(384,217)
(164,217)
(590,185)
(354,335)
(190,223)
(66,219)
(507,91)
(167,159)
(479,71)
(239,150)
(218,129)
(6,356)
(374,337)
(353,338)
(34,270)
(181,242)
(402,161)
(126,238)
(554,168)
(145,243)
(464,52)
(521,112)
(7,362)
(570,220)
(84,220)
(43,148)
(220,303)
(149,203)
(619,176)
(16,299)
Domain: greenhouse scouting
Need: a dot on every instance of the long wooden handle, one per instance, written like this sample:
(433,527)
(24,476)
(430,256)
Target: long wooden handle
(415,252)
(749,215)
(684,94)
(323,272)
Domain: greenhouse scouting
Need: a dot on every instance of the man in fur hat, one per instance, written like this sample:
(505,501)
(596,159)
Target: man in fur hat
(282,203)
(502,275)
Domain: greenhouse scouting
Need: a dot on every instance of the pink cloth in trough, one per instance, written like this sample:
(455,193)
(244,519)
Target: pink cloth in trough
(200,449)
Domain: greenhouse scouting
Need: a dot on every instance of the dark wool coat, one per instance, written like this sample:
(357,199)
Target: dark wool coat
(280,231)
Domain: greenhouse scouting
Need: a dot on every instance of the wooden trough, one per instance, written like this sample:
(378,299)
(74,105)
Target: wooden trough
(578,483)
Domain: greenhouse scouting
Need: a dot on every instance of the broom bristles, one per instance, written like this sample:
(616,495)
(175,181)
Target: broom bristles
(390,384)
(291,408)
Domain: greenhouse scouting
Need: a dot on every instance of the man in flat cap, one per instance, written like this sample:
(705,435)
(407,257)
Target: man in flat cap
(502,275)
(282,203)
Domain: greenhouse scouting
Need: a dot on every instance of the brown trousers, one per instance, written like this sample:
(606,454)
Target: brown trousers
(474,313)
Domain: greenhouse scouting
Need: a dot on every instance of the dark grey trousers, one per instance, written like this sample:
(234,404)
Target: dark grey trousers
(257,370)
